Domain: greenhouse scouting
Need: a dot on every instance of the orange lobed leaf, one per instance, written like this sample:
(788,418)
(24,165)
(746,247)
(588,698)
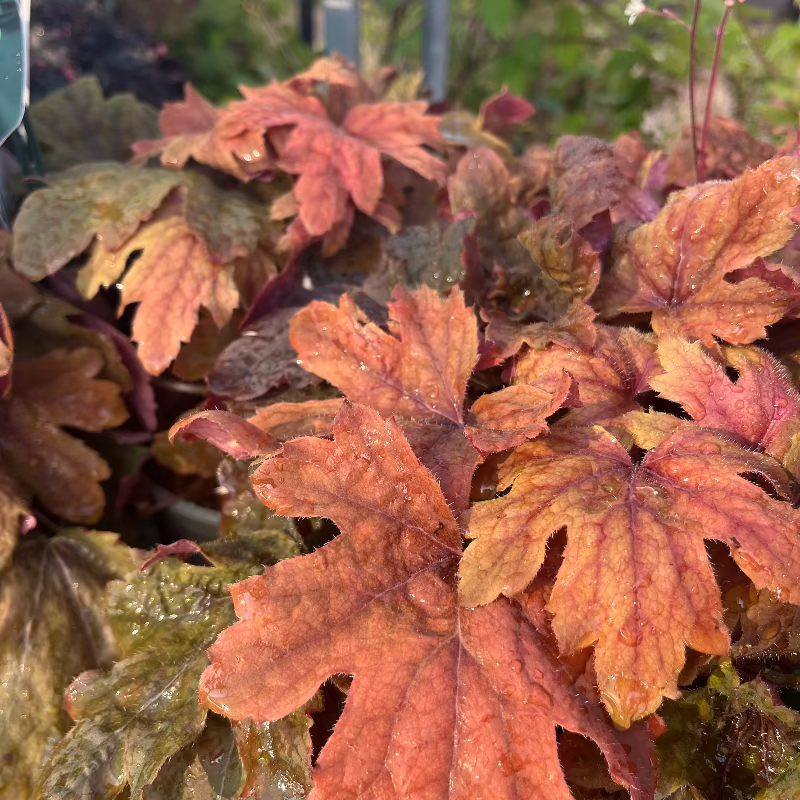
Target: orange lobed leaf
(761,406)
(190,131)
(676,265)
(421,371)
(420,375)
(59,390)
(564,255)
(189,248)
(636,581)
(609,366)
(338,164)
(475,691)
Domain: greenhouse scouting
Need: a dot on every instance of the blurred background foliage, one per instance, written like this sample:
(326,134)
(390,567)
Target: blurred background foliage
(580,62)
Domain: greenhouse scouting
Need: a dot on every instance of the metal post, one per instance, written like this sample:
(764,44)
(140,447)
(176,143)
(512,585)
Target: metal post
(437,47)
(306,19)
(343,28)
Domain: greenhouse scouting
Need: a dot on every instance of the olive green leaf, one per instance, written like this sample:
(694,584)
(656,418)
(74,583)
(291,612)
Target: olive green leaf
(277,755)
(730,739)
(131,719)
(141,724)
(787,787)
(52,627)
(170,241)
(209,769)
(62,119)
(102,201)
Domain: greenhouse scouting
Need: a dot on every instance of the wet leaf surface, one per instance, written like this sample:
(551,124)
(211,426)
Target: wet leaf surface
(53,626)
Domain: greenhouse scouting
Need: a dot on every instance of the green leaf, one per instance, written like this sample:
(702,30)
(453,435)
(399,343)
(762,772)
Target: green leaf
(52,627)
(277,755)
(62,119)
(787,787)
(133,718)
(141,723)
(739,725)
(252,534)
(570,55)
(497,15)
(106,200)
(209,769)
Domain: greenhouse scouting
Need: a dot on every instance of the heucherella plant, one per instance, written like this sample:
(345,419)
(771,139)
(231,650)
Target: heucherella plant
(505,448)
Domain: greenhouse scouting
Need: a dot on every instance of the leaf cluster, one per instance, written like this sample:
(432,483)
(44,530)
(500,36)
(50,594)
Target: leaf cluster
(521,433)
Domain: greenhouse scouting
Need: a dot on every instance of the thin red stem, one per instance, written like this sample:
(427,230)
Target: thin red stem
(692,76)
(667,14)
(712,83)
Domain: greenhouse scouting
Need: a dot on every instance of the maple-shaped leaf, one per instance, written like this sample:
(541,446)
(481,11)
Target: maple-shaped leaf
(761,405)
(610,366)
(53,626)
(636,581)
(420,373)
(94,201)
(145,711)
(63,118)
(558,249)
(58,390)
(474,690)
(191,234)
(337,164)
(187,261)
(680,265)
(189,130)
(729,739)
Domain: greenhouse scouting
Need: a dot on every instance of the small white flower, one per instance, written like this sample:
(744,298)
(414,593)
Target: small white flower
(634,9)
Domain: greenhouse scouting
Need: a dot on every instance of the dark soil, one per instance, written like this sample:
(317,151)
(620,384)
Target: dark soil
(71,38)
